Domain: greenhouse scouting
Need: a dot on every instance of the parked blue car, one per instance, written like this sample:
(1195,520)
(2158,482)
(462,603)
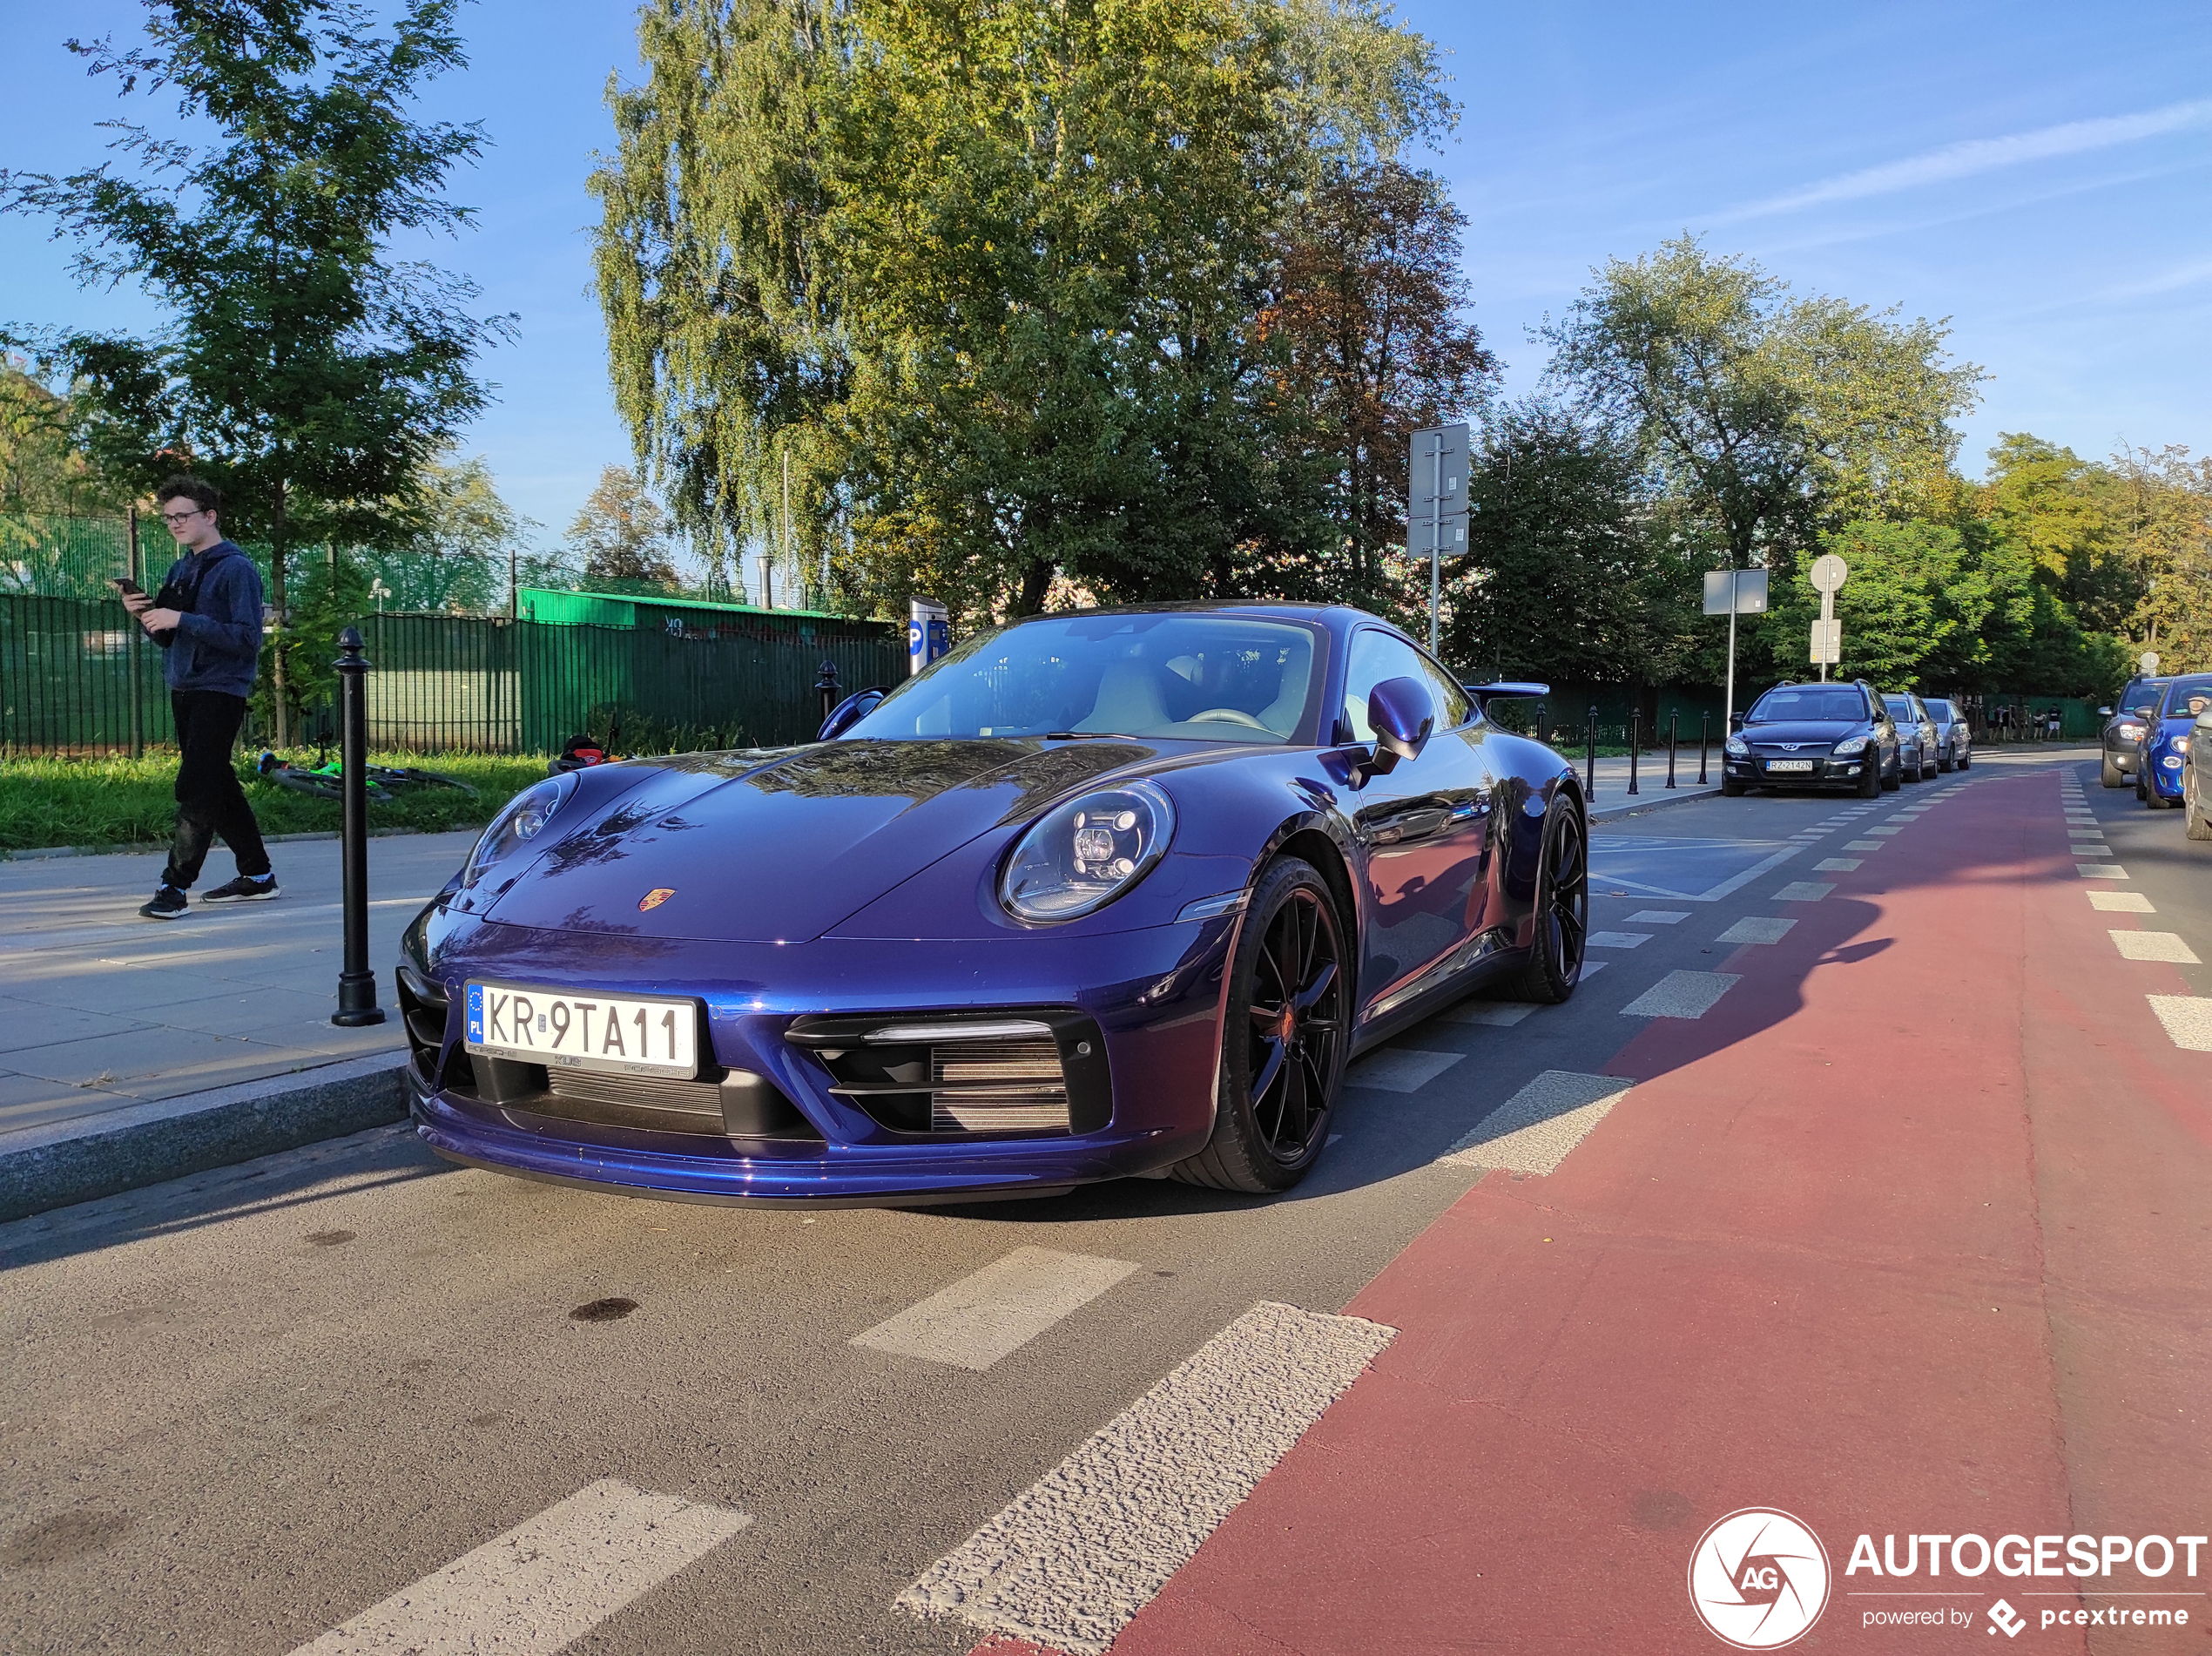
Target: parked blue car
(1101,894)
(2166,739)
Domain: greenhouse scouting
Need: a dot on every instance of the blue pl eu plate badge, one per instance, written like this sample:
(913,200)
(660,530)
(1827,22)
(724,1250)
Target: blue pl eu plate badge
(476,1011)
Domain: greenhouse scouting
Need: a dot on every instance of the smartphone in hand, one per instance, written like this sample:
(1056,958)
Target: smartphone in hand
(126,586)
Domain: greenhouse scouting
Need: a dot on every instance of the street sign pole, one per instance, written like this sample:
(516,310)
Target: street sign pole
(1732,592)
(1437,513)
(1435,543)
(1728,704)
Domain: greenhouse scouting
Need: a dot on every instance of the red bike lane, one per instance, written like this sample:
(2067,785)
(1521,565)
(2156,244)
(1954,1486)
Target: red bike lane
(1905,1237)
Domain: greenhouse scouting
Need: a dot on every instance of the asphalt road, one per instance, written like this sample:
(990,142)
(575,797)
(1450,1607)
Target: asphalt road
(244,1407)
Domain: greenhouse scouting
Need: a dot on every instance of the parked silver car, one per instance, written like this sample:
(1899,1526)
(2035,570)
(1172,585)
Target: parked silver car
(1954,742)
(1918,750)
(2125,722)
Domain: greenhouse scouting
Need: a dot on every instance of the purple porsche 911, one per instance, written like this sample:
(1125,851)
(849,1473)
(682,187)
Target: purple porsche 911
(1101,894)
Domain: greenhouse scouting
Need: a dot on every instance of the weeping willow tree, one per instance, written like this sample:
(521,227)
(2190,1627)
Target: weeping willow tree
(976,289)
(724,338)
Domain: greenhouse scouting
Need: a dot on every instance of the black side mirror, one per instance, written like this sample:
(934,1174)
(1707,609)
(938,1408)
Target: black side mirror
(1735,722)
(849,713)
(1401,713)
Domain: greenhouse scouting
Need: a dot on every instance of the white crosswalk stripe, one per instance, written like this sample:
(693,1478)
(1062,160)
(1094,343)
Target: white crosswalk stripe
(1088,1546)
(2187,1020)
(1400,1069)
(2153,945)
(1532,1132)
(1756,929)
(983,1317)
(1681,993)
(545,1584)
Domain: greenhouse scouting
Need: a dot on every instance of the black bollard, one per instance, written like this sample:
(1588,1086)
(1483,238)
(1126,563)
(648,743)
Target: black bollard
(1635,738)
(1673,731)
(1589,765)
(1705,735)
(356,983)
(826,687)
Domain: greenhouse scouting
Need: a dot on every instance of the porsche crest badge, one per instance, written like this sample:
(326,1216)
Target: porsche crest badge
(654,898)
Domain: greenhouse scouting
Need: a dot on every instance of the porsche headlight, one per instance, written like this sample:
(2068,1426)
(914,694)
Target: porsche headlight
(1736,746)
(521,820)
(1852,745)
(1079,857)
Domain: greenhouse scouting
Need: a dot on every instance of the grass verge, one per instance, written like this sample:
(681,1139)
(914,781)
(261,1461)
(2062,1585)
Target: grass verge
(132,801)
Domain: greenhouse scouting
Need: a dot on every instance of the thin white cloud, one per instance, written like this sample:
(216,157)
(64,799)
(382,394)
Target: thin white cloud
(1984,155)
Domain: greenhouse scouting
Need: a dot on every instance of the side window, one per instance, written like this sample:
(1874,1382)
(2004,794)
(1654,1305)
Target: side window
(1453,707)
(1377,656)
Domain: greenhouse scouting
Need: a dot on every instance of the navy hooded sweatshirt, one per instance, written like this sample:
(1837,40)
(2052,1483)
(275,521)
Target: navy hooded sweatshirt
(217,644)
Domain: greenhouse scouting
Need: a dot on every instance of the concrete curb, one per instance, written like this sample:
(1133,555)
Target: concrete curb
(66,1162)
(1643,802)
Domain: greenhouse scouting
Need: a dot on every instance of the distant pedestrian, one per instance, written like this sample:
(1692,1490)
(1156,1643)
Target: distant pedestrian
(208,620)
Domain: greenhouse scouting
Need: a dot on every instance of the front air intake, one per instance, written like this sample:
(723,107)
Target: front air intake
(966,1076)
(1004,1086)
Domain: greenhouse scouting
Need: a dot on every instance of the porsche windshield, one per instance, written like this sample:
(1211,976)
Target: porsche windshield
(1202,678)
(1828,704)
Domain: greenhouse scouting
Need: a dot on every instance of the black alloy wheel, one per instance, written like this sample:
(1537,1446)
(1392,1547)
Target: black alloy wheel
(1562,916)
(1892,779)
(1285,1040)
(1870,773)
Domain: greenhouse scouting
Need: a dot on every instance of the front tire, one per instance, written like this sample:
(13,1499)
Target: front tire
(1731,788)
(1284,1042)
(1562,917)
(2111,775)
(1892,779)
(2196,814)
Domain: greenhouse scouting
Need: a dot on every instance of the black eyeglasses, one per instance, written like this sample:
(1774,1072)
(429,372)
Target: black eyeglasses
(180,516)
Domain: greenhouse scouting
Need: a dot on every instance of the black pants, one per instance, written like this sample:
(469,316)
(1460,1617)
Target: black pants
(209,800)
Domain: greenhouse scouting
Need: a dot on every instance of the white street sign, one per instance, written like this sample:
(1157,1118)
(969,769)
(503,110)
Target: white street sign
(1827,643)
(2148,663)
(1828,572)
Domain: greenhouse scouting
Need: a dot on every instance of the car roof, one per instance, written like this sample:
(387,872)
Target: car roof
(1288,607)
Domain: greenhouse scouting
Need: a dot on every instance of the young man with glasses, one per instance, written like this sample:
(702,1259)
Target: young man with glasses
(208,620)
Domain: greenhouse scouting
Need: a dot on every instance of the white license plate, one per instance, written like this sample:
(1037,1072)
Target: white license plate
(575,1032)
(1788,764)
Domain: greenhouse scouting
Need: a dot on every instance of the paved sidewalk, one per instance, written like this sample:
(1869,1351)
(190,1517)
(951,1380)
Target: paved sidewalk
(101,1010)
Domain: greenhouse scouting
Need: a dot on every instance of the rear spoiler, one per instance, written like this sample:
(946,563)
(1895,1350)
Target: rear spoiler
(1483,692)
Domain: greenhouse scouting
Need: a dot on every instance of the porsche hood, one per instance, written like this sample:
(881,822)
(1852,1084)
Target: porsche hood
(779,848)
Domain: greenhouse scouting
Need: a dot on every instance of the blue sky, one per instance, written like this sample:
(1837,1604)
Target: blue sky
(2039,174)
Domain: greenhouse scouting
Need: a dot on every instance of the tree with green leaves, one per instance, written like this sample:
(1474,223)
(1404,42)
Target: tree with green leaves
(621,533)
(986,282)
(1374,344)
(303,368)
(1770,415)
(1562,579)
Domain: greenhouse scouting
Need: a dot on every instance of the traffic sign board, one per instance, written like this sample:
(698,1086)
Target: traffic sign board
(1828,572)
(1749,586)
(1827,643)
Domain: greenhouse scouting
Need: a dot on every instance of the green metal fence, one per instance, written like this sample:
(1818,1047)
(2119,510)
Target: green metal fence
(76,677)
